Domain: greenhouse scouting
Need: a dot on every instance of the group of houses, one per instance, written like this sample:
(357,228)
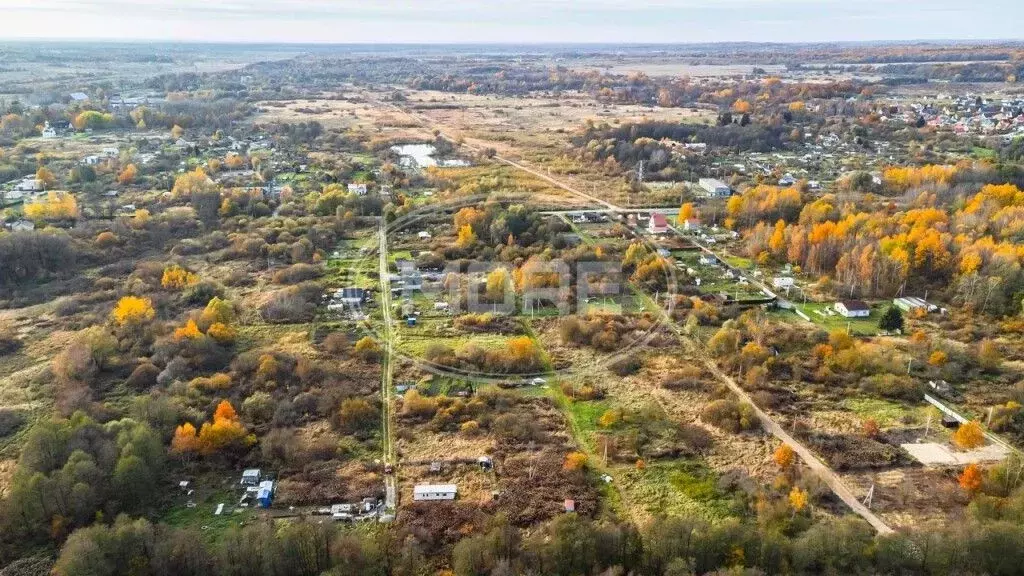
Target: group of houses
(966,114)
(257,487)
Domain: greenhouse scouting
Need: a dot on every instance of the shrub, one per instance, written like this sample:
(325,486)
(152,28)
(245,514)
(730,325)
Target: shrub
(515,427)
(336,343)
(627,365)
(222,333)
(143,377)
(177,278)
(357,415)
(294,305)
(106,240)
(419,406)
(297,273)
(259,407)
(696,437)
(368,349)
(10,421)
(900,387)
(9,341)
(729,415)
(202,292)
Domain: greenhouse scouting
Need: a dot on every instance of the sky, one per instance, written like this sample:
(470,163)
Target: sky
(511,21)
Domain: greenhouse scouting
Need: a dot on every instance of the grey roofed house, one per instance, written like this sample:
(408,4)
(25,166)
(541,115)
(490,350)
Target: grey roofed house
(250,477)
(351,296)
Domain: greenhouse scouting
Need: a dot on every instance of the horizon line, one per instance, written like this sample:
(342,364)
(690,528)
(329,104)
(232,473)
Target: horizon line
(111,40)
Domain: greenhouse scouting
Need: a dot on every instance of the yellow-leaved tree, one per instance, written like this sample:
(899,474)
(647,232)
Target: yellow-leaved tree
(466,237)
(177,278)
(192,182)
(797,499)
(969,436)
(53,206)
(497,282)
(188,332)
(46,177)
(133,310)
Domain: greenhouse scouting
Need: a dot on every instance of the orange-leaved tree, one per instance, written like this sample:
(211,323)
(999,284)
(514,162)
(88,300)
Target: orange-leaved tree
(128,174)
(971,478)
(185,440)
(784,456)
(575,461)
(225,431)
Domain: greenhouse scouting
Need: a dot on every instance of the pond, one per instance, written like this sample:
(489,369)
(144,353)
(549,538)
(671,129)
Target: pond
(422,156)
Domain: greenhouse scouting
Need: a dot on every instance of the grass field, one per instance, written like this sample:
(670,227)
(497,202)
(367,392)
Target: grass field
(202,517)
(818,314)
(884,412)
(680,487)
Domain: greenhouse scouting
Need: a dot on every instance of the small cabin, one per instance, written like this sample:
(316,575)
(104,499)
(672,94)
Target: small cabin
(430,492)
(250,477)
(852,309)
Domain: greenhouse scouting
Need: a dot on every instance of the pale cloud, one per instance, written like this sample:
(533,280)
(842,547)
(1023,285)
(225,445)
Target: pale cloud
(444,21)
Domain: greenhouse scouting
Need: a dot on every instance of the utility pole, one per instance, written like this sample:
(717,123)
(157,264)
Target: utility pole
(870,496)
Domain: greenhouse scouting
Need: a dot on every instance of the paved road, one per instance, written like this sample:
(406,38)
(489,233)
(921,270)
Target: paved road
(768,423)
(387,374)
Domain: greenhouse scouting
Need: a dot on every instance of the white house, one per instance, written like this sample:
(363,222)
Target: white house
(250,477)
(428,492)
(423,235)
(29,184)
(911,303)
(357,189)
(342,511)
(21,226)
(714,188)
(782,282)
(691,225)
(707,260)
(852,309)
(657,224)
(49,131)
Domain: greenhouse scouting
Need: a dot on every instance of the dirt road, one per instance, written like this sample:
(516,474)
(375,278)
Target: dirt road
(827,475)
